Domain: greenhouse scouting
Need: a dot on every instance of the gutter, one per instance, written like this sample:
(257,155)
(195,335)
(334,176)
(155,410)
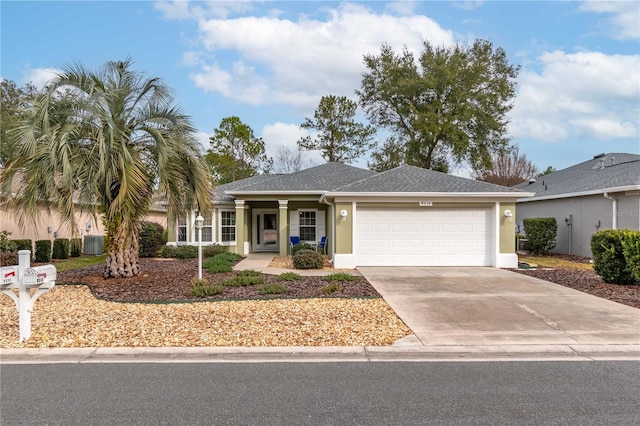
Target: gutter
(614,210)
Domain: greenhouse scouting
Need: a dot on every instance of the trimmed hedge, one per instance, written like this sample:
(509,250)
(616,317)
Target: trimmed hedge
(75,247)
(60,248)
(213,250)
(608,257)
(300,246)
(150,239)
(307,259)
(43,251)
(541,233)
(631,250)
(23,245)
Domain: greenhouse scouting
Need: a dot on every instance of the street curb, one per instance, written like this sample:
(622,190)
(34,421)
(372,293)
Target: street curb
(322,354)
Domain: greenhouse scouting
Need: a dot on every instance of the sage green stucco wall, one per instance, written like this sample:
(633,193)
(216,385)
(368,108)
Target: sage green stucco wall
(507,228)
(344,229)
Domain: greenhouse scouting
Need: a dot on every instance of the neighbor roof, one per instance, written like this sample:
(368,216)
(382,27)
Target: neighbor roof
(602,173)
(415,179)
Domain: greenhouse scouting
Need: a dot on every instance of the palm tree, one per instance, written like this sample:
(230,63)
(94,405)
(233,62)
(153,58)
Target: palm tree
(107,142)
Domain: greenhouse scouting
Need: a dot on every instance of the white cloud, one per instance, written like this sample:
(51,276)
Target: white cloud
(39,77)
(579,95)
(624,16)
(402,7)
(203,140)
(185,9)
(468,5)
(296,62)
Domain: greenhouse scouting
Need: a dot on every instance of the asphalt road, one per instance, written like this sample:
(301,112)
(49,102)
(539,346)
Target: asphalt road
(383,393)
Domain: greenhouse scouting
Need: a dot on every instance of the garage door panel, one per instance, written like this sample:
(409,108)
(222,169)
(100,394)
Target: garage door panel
(423,237)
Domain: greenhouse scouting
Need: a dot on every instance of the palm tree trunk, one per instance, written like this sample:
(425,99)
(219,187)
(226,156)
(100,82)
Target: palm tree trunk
(122,260)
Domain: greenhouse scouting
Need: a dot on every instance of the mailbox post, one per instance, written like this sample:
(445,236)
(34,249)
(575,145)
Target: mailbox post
(24,278)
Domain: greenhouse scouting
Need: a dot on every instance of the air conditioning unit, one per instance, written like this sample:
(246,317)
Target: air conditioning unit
(93,245)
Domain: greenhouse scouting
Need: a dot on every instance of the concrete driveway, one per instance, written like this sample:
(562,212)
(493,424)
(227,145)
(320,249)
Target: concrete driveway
(488,306)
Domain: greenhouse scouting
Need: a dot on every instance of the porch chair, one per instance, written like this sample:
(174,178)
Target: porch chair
(323,244)
(294,240)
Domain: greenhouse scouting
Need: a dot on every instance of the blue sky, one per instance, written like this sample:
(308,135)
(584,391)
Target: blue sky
(269,63)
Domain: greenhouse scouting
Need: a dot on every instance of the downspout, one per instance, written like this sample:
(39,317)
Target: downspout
(614,210)
(323,200)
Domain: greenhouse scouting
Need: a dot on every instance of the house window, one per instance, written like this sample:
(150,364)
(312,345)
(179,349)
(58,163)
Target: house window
(182,229)
(227,226)
(207,231)
(308,226)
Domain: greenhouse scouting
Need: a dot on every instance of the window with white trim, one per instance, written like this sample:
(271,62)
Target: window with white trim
(182,229)
(207,231)
(308,225)
(227,226)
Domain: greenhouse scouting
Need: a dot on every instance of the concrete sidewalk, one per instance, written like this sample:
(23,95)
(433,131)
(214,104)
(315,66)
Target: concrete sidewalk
(260,262)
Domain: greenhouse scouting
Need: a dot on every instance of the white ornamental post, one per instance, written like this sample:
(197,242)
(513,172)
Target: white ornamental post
(199,223)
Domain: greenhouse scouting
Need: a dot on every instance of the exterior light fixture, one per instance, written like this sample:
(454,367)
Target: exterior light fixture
(199,223)
(507,213)
(343,215)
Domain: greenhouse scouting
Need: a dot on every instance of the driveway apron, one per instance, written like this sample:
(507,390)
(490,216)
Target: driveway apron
(489,306)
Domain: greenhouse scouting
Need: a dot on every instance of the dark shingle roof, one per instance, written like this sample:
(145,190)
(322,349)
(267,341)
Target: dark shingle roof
(604,172)
(325,177)
(414,179)
(219,193)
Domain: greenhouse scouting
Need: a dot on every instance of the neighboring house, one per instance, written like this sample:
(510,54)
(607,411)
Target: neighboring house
(601,193)
(405,216)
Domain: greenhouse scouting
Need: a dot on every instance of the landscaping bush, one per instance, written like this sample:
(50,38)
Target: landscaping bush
(75,247)
(242,281)
(608,257)
(200,288)
(8,250)
(631,250)
(43,251)
(307,260)
(288,276)
(60,248)
(168,251)
(248,273)
(187,252)
(222,262)
(541,233)
(331,288)
(301,246)
(274,289)
(340,276)
(150,239)
(212,250)
(23,245)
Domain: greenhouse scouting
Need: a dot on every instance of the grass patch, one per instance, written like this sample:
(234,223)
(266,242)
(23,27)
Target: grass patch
(239,281)
(274,289)
(331,288)
(248,273)
(288,276)
(554,262)
(340,276)
(221,262)
(79,262)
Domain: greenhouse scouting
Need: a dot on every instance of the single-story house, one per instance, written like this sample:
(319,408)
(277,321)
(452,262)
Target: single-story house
(601,193)
(406,216)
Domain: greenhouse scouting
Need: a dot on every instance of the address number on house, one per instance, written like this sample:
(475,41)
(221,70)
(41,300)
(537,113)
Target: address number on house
(426,203)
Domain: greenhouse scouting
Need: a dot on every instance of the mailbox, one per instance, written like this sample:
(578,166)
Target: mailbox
(40,276)
(9,275)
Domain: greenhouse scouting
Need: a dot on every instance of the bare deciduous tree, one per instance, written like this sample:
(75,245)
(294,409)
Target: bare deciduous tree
(290,160)
(508,169)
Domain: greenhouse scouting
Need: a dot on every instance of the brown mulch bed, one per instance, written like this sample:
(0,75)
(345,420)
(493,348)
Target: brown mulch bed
(165,280)
(588,281)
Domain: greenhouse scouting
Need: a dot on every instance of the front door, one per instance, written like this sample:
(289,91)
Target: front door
(265,234)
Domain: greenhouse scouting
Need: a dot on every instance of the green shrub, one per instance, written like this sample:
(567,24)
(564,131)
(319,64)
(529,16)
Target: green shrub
(273,289)
(288,276)
(200,288)
(23,245)
(168,251)
(60,248)
(340,276)
(240,281)
(631,251)
(217,266)
(7,245)
(608,257)
(75,247)
(307,260)
(300,246)
(187,252)
(43,251)
(541,233)
(331,288)
(248,273)
(212,250)
(150,239)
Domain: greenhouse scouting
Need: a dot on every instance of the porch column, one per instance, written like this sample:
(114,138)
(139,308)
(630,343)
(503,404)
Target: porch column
(240,228)
(283,225)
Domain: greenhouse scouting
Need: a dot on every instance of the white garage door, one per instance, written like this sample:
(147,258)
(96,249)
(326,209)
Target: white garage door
(423,237)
